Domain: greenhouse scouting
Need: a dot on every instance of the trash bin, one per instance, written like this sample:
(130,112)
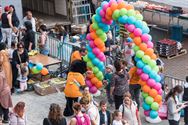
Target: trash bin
(176,32)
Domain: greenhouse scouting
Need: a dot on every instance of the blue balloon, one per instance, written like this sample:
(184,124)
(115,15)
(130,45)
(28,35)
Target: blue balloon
(152,74)
(153,114)
(104,27)
(138,24)
(30,65)
(145,106)
(145,29)
(147,69)
(98,10)
(39,66)
(157,78)
(131,20)
(103,3)
(140,64)
(91,55)
(150,37)
(98,18)
(136,59)
(89,49)
(123,19)
(129,40)
(95,61)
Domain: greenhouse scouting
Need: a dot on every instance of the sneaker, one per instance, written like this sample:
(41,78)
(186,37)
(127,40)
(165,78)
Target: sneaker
(5,121)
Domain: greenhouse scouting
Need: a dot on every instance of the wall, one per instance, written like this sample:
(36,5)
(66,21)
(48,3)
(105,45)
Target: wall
(60,7)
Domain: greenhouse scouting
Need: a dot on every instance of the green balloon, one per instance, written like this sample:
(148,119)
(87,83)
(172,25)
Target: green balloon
(116,14)
(144,23)
(101,77)
(146,59)
(123,12)
(95,70)
(136,48)
(152,63)
(99,74)
(149,100)
(35,71)
(131,12)
(144,94)
(93,19)
(139,54)
(85,58)
(156,69)
(90,64)
(139,17)
(99,32)
(95,26)
(155,106)
(103,37)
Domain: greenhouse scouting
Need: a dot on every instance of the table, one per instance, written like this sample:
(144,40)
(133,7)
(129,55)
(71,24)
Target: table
(46,61)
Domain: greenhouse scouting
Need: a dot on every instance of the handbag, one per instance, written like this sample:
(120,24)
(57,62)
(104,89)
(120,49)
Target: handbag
(163,111)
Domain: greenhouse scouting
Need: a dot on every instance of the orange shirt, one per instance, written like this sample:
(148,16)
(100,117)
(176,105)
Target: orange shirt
(71,88)
(75,56)
(134,78)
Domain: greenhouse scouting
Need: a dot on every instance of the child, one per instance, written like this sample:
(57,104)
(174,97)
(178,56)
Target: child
(105,116)
(11,50)
(128,53)
(5,96)
(185,98)
(117,118)
(106,81)
(23,72)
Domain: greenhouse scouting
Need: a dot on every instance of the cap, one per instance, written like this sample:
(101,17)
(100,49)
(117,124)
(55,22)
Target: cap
(110,67)
(7,8)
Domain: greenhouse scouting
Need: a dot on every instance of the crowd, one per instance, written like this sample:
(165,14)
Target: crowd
(121,82)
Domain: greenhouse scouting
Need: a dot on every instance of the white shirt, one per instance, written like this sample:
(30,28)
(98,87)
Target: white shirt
(94,113)
(115,122)
(32,22)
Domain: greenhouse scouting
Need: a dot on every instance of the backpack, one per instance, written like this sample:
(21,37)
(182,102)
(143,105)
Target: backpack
(86,120)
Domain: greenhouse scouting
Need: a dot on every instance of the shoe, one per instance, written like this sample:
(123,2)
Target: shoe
(5,121)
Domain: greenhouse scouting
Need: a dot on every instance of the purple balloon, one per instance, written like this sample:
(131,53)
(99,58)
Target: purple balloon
(88,83)
(151,82)
(157,86)
(146,112)
(139,71)
(93,89)
(144,77)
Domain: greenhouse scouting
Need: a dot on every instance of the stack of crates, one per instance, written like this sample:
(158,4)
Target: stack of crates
(81,11)
(166,47)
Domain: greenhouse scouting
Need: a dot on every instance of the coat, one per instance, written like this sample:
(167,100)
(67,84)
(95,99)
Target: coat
(5,94)
(7,67)
(102,117)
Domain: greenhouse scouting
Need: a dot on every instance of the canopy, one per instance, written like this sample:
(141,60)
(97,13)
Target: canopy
(178,3)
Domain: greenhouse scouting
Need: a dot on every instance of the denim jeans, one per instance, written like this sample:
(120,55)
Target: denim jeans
(135,93)
(7,36)
(4,112)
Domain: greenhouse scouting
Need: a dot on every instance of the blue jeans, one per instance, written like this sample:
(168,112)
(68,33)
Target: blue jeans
(173,122)
(1,37)
(44,52)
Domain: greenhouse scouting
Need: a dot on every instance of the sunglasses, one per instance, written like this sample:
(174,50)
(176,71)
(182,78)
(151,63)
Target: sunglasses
(20,47)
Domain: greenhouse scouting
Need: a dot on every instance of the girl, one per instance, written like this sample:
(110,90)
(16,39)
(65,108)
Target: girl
(18,117)
(117,119)
(173,106)
(129,110)
(55,116)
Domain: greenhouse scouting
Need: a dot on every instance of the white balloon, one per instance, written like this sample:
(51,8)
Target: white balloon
(156,120)
(98,93)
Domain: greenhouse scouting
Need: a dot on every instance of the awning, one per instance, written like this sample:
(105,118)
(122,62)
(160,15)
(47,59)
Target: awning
(178,3)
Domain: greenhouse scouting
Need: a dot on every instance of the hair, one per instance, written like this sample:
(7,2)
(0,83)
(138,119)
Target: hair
(173,91)
(186,78)
(20,43)
(78,66)
(13,44)
(102,102)
(14,10)
(124,62)
(2,46)
(77,106)
(127,94)
(55,113)
(117,65)
(43,28)
(28,25)
(115,114)
(28,12)
(19,109)
(133,60)
(84,100)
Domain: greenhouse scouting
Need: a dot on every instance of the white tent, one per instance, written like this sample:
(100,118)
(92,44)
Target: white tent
(178,3)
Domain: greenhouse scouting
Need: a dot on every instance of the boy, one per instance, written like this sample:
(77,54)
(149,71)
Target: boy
(185,98)
(105,116)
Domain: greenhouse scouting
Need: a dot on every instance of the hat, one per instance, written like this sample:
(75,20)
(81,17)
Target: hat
(110,67)
(7,8)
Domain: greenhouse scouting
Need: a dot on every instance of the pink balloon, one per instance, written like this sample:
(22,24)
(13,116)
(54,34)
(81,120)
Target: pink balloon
(144,77)
(146,113)
(88,37)
(102,13)
(126,25)
(101,57)
(145,37)
(139,71)
(150,44)
(160,92)
(151,82)
(131,28)
(112,2)
(109,22)
(157,86)
(93,89)
(88,83)
(105,6)
(92,44)
(137,32)
(96,51)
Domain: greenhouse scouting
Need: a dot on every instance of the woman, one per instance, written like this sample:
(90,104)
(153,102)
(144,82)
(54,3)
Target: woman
(18,117)
(130,111)
(119,84)
(6,64)
(43,47)
(20,58)
(29,37)
(15,20)
(5,95)
(75,81)
(80,118)
(55,116)
(173,105)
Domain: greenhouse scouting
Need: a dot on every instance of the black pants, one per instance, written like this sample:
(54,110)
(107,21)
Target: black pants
(186,115)
(173,122)
(118,100)
(135,93)
(14,75)
(68,109)
(4,112)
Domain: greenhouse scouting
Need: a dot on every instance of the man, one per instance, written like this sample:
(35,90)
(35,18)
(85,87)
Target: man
(29,17)
(91,110)
(77,55)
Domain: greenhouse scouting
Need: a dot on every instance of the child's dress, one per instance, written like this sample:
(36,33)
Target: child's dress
(115,122)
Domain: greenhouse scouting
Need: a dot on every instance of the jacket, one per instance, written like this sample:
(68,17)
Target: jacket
(16,120)
(102,117)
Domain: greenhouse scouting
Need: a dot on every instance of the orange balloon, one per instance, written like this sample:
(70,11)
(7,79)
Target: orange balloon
(143,47)
(108,17)
(153,56)
(158,99)
(99,85)
(99,43)
(44,71)
(132,35)
(128,7)
(149,52)
(102,49)
(114,7)
(93,35)
(91,29)
(121,5)
(153,93)
(137,41)
(94,80)
(146,88)
(141,82)
(90,75)
(109,12)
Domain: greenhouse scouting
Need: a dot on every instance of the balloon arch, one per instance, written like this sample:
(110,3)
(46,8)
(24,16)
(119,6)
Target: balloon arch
(144,54)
